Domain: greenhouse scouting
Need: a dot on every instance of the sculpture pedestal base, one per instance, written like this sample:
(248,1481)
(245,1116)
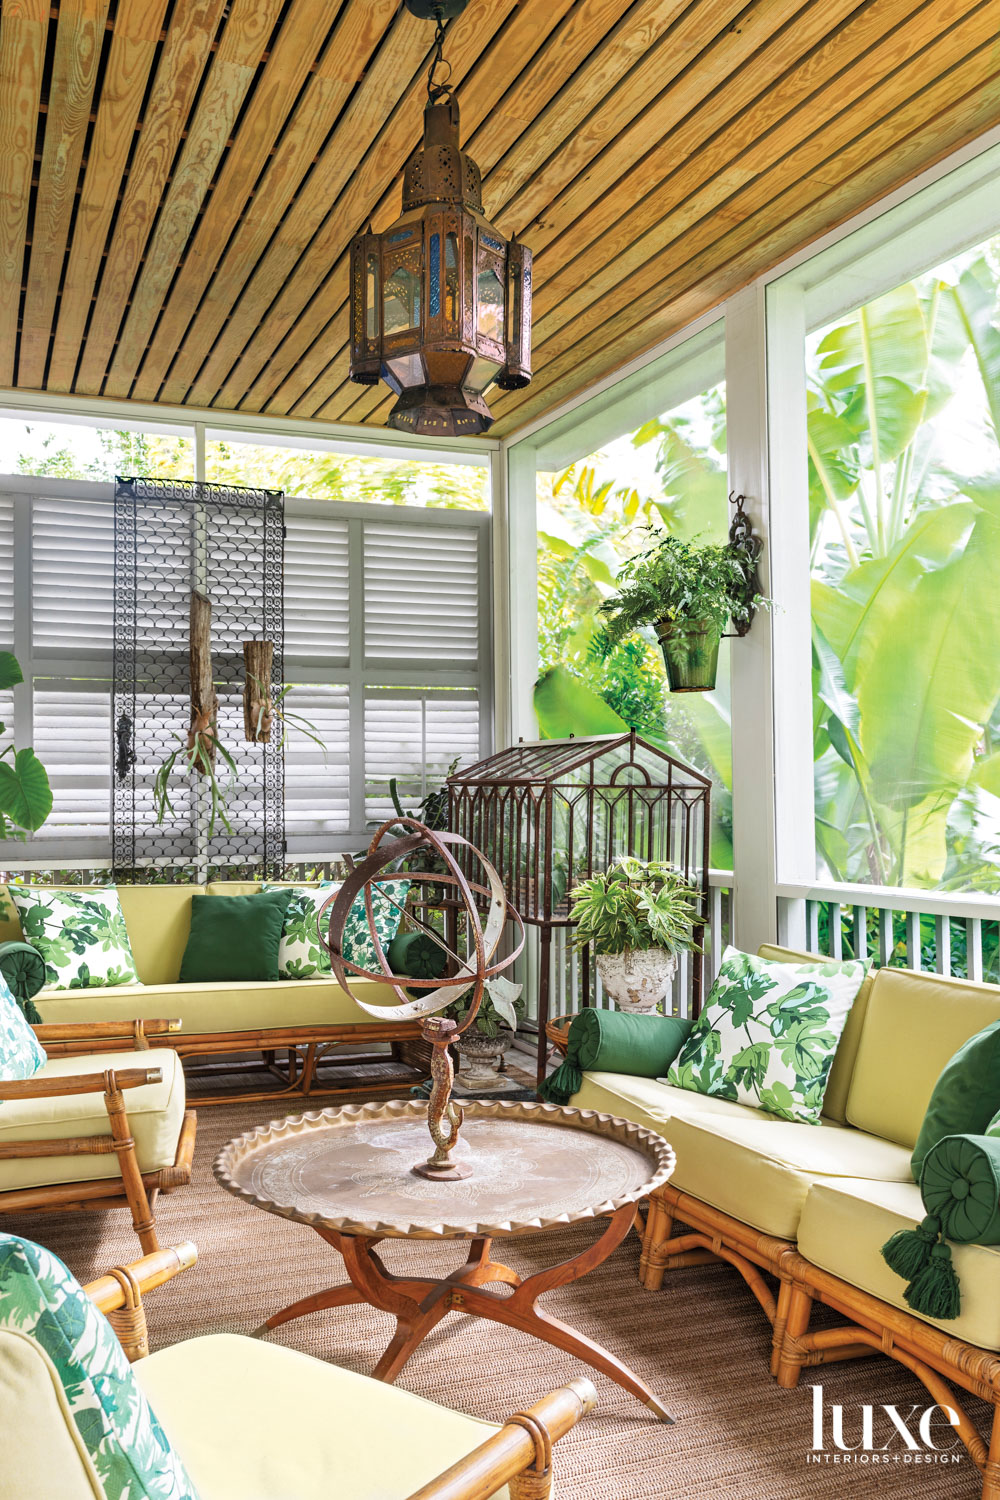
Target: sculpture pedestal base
(452,1171)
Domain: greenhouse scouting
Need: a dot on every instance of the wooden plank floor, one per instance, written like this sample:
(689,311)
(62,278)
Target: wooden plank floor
(180,179)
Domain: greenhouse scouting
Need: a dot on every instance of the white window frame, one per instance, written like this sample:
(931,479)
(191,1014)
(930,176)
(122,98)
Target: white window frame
(359,675)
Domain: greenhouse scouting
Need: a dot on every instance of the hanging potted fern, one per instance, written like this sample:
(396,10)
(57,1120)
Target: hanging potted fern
(687,594)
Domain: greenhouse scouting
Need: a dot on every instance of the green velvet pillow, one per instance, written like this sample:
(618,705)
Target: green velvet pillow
(234,937)
(965,1097)
(613,1041)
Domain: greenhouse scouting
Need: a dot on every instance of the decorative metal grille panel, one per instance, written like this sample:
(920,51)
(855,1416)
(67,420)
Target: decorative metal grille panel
(226,541)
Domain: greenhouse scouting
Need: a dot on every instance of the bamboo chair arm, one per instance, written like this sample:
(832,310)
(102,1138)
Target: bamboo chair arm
(137,1031)
(524,1443)
(109,1292)
(80,1083)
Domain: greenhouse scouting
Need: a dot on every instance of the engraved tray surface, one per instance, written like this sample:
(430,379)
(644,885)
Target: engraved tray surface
(534,1166)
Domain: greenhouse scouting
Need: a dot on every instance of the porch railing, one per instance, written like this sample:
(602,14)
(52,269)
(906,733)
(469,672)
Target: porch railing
(933,931)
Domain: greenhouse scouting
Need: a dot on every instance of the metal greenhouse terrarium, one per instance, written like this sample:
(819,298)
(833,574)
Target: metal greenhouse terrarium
(549,813)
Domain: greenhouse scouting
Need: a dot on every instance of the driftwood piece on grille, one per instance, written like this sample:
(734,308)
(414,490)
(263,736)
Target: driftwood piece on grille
(204,703)
(257,707)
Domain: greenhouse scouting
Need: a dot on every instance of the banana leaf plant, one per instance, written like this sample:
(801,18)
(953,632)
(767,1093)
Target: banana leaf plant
(25,794)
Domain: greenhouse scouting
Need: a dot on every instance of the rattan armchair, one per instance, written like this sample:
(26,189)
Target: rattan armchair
(318,1430)
(54,1148)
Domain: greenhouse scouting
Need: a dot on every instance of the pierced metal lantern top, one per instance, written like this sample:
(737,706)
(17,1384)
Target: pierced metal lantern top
(441,300)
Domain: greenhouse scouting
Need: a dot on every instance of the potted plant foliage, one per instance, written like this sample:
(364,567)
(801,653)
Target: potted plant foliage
(687,593)
(25,794)
(481,1049)
(638,916)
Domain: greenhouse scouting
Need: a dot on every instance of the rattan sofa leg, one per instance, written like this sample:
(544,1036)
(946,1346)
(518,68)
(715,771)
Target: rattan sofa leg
(991,1472)
(796,1301)
(124,1146)
(659,1228)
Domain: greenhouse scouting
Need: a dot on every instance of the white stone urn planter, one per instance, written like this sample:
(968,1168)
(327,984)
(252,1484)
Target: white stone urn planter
(638,981)
(480,1056)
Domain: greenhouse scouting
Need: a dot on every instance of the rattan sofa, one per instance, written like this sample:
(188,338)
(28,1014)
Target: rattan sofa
(802,1211)
(296,1024)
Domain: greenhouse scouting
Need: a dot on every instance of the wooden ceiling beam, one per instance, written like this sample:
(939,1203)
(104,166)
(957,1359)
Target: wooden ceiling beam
(235,235)
(281,288)
(231,71)
(850,102)
(964,101)
(134,44)
(24,32)
(80,34)
(182,62)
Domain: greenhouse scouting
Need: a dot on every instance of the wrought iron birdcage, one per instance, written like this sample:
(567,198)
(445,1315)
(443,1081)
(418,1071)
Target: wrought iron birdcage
(550,813)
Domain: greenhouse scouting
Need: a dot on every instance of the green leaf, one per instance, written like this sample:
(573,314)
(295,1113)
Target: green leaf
(10,671)
(25,794)
(564,705)
(975,299)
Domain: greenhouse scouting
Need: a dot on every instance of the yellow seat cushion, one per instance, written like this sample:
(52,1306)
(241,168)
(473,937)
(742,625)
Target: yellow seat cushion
(224,1005)
(845,1224)
(647,1102)
(915,1023)
(256,1421)
(155,1113)
(43,1453)
(761,1170)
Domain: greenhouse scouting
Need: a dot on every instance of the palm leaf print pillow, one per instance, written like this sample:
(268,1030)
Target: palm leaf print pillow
(768,1034)
(80,935)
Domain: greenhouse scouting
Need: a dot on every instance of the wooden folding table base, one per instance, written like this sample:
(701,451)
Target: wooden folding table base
(418,1304)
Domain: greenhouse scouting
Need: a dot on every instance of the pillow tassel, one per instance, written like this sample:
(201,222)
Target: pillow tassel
(561,1085)
(908,1251)
(936,1292)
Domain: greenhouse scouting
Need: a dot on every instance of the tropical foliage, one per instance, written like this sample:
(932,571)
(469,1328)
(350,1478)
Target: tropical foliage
(590,525)
(634,905)
(904,445)
(677,580)
(25,794)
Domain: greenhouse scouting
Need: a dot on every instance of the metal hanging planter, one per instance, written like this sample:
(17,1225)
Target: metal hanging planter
(691,646)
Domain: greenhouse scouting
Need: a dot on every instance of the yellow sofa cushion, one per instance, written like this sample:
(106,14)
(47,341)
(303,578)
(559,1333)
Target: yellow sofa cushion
(761,1170)
(845,1224)
(155,1114)
(157,917)
(838,1086)
(43,1454)
(224,1005)
(651,1104)
(319,1431)
(914,1024)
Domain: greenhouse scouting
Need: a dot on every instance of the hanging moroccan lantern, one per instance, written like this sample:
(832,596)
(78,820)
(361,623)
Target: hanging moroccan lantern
(440,301)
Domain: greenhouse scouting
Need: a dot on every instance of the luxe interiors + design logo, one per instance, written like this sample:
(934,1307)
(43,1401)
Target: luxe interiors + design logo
(883,1434)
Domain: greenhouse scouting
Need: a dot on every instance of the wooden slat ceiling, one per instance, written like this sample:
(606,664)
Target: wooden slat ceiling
(180,179)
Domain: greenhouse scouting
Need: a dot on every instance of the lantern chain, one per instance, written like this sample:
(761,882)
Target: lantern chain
(437,90)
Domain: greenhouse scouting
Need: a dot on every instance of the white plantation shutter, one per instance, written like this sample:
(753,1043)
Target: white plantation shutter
(317,594)
(6,609)
(415,737)
(386,646)
(72,580)
(421,593)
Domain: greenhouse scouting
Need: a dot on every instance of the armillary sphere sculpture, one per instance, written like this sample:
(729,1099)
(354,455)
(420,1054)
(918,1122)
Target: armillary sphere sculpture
(475,971)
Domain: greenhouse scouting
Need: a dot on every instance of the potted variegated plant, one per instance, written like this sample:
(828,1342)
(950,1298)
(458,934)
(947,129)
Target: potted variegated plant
(638,915)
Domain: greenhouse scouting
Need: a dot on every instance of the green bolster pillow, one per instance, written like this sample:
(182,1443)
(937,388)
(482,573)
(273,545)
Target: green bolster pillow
(614,1042)
(960,1188)
(414,955)
(23,968)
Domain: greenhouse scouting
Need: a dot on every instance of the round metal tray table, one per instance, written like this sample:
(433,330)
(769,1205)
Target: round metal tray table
(348,1174)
